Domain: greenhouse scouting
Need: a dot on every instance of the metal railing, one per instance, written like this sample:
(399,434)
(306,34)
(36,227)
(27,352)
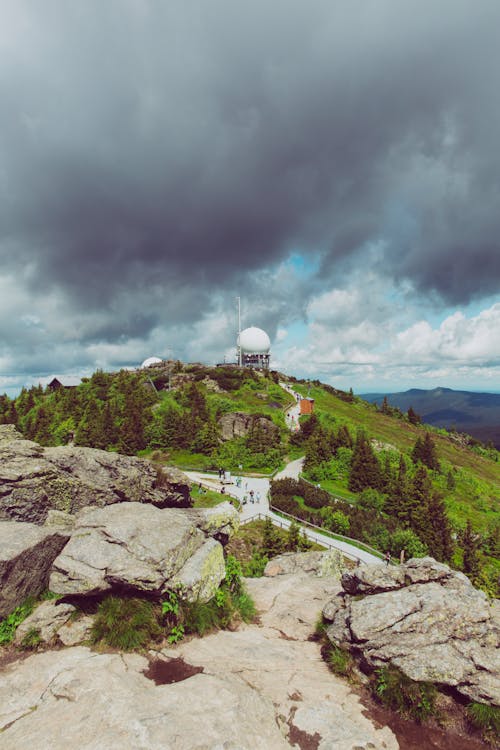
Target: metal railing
(326,533)
(334,497)
(285,524)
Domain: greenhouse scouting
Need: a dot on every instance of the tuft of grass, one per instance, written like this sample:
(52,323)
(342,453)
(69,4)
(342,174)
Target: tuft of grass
(484,717)
(245,606)
(400,693)
(126,624)
(31,640)
(200,617)
(9,624)
(339,661)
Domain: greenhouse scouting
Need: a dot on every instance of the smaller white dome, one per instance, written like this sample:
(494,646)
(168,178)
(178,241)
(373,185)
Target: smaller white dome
(254,341)
(151,361)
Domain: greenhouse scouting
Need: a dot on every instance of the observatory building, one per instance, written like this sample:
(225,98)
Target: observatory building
(151,361)
(254,348)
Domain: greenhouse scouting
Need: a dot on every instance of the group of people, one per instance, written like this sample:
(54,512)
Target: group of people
(254,497)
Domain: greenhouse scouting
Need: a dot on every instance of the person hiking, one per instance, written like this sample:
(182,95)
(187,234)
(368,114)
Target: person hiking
(387,558)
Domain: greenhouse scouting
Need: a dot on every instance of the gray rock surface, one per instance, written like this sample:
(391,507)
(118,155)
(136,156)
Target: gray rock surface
(74,632)
(260,687)
(46,619)
(201,575)
(220,522)
(425,619)
(139,548)
(239,424)
(26,556)
(34,480)
(329,563)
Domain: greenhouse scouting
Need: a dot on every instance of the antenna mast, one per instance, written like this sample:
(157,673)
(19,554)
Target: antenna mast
(239,330)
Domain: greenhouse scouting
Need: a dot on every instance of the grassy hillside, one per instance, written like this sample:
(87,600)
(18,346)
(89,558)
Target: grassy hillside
(477,414)
(476,495)
(466,478)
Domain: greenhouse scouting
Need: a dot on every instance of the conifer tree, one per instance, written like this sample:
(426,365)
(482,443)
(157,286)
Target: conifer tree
(425,451)
(292,541)
(470,544)
(385,408)
(413,417)
(365,468)
(397,503)
(418,501)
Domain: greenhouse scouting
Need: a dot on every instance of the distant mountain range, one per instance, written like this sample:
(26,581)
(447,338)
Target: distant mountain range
(477,414)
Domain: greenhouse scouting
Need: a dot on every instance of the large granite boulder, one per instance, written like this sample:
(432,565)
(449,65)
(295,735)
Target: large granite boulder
(137,548)
(26,556)
(239,424)
(425,619)
(34,480)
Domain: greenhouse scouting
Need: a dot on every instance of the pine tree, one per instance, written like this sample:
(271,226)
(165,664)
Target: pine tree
(397,504)
(271,544)
(425,452)
(41,427)
(344,437)
(470,544)
(419,500)
(413,417)
(365,468)
(292,541)
(385,408)
(438,536)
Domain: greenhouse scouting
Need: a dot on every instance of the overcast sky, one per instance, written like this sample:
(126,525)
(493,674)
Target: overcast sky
(335,163)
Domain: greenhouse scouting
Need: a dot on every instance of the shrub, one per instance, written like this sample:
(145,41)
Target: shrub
(255,567)
(230,600)
(245,606)
(127,624)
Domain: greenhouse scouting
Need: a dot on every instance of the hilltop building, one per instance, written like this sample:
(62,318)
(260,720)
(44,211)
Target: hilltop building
(254,347)
(151,361)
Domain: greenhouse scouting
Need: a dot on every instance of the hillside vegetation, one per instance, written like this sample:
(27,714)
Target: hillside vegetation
(405,477)
(376,474)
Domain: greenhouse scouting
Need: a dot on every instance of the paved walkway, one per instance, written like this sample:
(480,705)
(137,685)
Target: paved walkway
(261,508)
(260,489)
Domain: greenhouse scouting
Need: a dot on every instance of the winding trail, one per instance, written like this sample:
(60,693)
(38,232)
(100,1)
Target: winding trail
(259,486)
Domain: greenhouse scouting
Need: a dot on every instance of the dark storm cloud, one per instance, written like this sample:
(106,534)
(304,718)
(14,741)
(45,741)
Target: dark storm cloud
(153,153)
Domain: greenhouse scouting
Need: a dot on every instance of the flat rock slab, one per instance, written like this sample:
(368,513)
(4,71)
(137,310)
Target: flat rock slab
(263,687)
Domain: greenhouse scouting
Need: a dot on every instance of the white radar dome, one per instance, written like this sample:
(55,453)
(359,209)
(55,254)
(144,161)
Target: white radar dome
(254,341)
(151,361)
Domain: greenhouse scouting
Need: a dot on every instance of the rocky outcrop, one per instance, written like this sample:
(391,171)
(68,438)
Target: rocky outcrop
(239,424)
(34,480)
(425,619)
(329,563)
(262,686)
(137,548)
(26,556)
